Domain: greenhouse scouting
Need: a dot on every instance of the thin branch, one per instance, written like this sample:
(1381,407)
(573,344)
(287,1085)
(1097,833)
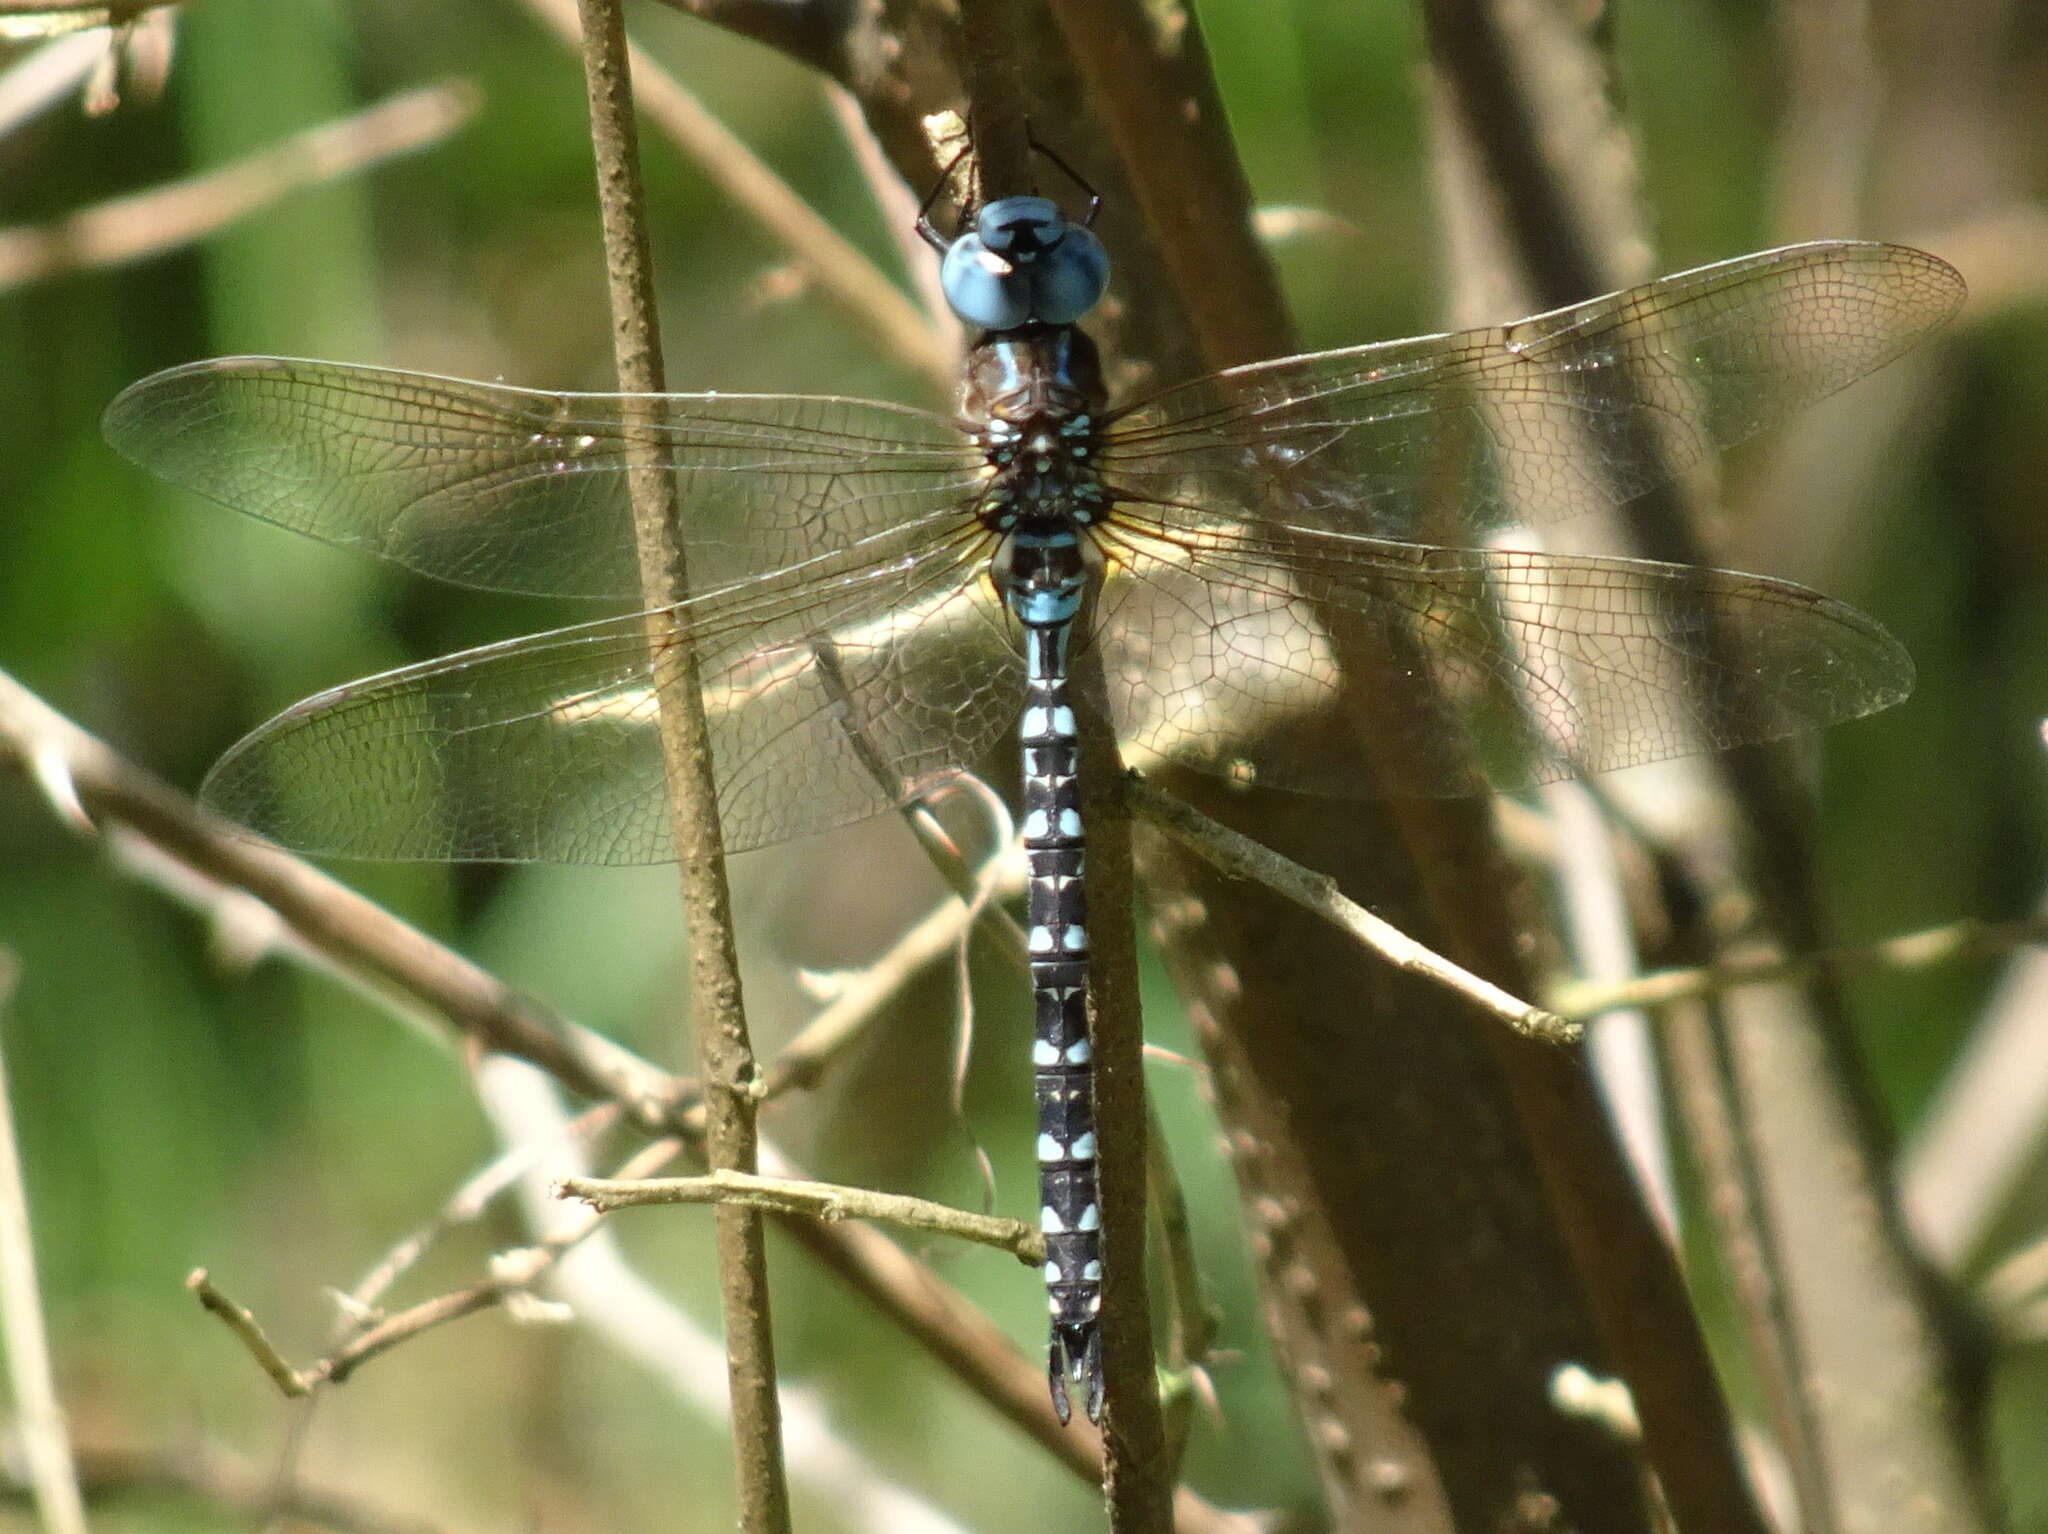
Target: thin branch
(828,258)
(818,33)
(897,203)
(1192,1321)
(613,1301)
(814,1200)
(724,1051)
(1965,939)
(249,1333)
(213,1475)
(1977,1141)
(47,75)
(513,1274)
(466,1205)
(801,1061)
(1147,71)
(1243,858)
(45,1444)
(148,223)
(1001,113)
(84,13)
(332,919)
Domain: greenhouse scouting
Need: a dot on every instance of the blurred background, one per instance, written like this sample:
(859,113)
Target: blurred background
(177,1109)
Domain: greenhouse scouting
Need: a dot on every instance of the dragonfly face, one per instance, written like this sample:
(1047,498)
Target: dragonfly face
(1024,263)
(887,595)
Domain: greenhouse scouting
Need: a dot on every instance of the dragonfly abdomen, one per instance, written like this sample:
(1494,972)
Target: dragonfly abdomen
(1070,1213)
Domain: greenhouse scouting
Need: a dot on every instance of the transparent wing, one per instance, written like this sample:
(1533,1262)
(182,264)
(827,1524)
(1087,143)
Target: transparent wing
(1432,438)
(833,692)
(1294,661)
(516,490)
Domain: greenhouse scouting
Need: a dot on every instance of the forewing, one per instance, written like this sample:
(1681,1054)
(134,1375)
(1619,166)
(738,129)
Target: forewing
(516,490)
(1341,665)
(829,696)
(1583,408)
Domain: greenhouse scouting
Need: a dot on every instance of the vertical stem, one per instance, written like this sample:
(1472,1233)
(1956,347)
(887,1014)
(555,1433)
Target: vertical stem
(724,1052)
(1137,1471)
(45,1446)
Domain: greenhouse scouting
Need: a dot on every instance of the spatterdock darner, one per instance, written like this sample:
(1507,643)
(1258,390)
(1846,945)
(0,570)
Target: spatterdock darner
(882,593)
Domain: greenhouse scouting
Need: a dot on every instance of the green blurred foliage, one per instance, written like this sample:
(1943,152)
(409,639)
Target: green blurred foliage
(283,1133)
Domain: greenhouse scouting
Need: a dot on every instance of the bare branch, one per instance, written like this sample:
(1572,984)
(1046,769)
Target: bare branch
(46,1446)
(163,218)
(814,1200)
(824,255)
(209,1473)
(249,1333)
(818,32)
(1243,858)
(350,931)
(730,1072)
(1966,939)
(468,1203)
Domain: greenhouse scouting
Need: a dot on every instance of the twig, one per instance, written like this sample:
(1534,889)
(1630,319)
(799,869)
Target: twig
(148,223)
(466,1204)
(1969,938)
(1192,1321)
(1000,112)
(897,203)
(1599,939)
(214,1475)
(47,75)
(730,1073)
(2014,1290)
(613,1301)
(513,1273)
(45,1443)
(816,248)
(1243,858)
(89,13)
(249,1334)
(800,1062)
(325,914)
(1163,110)
(815,1200)
(816,34)
(1978,1140)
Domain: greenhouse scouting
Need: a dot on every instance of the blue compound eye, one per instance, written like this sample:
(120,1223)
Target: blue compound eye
(1067,281)
(982,287)
(1024,263)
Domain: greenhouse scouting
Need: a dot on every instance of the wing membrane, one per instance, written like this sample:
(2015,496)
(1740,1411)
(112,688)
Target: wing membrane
(1296,661)
(829,697)
(1434,437)
(517,490)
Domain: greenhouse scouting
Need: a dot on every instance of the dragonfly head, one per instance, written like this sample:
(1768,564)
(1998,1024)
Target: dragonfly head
(1023,263)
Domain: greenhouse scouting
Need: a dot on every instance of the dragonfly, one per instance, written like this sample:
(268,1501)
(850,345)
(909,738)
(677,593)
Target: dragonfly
(882,594)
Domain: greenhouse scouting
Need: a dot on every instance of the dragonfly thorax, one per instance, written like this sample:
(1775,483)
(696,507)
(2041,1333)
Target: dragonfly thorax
(1033,403)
